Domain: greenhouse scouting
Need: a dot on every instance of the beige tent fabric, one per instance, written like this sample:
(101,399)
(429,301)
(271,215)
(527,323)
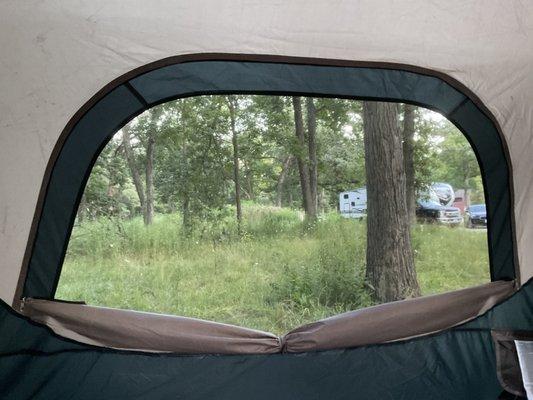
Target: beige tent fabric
(133,330)
(397,321)
(57,54)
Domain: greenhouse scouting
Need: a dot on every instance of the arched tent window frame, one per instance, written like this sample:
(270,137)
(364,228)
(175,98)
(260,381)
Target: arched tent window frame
(95,123)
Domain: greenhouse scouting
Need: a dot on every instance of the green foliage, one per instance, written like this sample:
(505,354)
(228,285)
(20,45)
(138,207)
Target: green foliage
(108,189)
(334,276)
(341,150)
(454,161)
(194,163)
(425,150)
(191,164)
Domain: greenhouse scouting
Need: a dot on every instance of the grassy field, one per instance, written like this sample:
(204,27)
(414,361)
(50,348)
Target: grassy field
(278,275)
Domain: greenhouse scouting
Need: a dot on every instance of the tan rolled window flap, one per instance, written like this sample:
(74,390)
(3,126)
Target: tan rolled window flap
(132,330)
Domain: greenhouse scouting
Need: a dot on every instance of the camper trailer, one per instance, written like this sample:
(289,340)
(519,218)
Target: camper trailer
(352,204)
(442,193)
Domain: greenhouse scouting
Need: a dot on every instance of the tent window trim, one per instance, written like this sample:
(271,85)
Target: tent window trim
(94,124)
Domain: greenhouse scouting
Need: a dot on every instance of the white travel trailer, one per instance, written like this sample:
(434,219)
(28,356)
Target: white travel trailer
(352,204)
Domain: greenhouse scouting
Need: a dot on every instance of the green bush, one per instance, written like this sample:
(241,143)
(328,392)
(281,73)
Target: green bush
(261,221)
(333,277)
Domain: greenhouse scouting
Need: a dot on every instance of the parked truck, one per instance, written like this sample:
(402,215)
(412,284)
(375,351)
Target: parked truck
(436,205)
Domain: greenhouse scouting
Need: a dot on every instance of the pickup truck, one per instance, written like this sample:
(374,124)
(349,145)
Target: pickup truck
(433,212)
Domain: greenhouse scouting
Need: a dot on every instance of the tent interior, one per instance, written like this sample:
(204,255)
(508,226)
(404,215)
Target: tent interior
(78,78)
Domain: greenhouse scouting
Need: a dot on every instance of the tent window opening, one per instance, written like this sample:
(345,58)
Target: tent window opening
(274,211)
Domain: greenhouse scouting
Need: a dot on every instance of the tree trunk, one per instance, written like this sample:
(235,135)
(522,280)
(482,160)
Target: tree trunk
(82,208)
(135,175)
(310,211)
(389,259)
(282,178)
(236,178)
(408,159)
(250,183)
(247,188)
(322,201)
(149,211)
(311,143)
(187,223)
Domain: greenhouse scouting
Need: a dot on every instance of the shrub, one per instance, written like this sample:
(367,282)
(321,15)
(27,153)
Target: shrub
(334,275)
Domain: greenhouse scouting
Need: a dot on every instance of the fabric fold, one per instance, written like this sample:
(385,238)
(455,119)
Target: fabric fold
(132,330)
(397,320)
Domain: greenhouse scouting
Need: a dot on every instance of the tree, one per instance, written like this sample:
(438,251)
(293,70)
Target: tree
(389,259)
(282,178)
(194,159)
(312,148)
(340,150)
(149,174)
(301,159)
(151,131)
(270,148)
(130,159)
(232,106)
(408,158)
(108,191)
(458,163)
(145,131)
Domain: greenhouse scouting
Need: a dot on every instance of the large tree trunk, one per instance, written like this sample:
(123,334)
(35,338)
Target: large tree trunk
(389,259)
(311,144)
(149,211)
(282,178)
(135,175)
(408,160)
(307,200)
(236,178)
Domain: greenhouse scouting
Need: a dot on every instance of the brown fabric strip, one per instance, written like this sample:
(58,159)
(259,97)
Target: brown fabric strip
(131,330)
(398,320)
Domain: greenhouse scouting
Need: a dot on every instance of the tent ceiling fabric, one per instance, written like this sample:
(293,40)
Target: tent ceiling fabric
(56,55)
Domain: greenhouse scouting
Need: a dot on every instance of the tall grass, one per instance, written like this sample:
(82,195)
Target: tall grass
(279,274)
